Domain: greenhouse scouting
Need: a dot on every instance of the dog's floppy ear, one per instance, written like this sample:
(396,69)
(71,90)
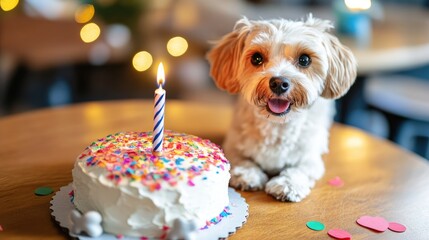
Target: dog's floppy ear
(341,68)
(341,61)
(224,57)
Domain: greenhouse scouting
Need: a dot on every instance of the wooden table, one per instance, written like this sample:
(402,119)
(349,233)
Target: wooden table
(39,149)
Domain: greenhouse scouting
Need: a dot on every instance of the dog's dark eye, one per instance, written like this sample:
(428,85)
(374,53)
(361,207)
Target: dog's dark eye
(257,59)
(304,60)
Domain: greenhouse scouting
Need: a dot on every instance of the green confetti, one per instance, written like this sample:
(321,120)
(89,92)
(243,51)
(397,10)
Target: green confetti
(316,226)
(43,191)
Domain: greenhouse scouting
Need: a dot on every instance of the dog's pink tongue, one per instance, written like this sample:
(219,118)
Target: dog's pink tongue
(278,105)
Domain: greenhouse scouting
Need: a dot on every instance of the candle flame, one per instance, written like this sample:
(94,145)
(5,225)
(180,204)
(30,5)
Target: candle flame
(161,75)
(358,4)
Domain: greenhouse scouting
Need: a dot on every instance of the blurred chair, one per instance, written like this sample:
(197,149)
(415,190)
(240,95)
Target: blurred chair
(404,101)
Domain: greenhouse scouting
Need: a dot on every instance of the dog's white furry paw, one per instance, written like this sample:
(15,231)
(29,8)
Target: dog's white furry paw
(248,178)
(290,186)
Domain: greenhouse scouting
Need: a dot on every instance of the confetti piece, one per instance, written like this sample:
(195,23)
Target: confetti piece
(315,225)
(397,227)
(336,182)
(375,223)
(43,191)
(339,234)
(165,228)
(1,228)
(190,183)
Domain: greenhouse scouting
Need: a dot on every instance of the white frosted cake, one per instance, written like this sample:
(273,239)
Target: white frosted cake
(140,194)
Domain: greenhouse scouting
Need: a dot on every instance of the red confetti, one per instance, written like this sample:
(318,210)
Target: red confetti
(397,227)
(375,223)
(339,234)
(165,228)
(336,182)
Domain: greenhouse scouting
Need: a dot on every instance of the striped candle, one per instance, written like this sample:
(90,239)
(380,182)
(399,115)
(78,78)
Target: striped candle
(158,119)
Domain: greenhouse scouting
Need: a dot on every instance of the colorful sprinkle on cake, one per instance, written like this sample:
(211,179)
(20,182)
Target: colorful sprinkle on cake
(128,155)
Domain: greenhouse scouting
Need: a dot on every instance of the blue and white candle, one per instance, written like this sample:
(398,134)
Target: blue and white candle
(159,106)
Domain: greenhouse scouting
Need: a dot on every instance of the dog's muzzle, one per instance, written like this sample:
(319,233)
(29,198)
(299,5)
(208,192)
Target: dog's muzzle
(279,106)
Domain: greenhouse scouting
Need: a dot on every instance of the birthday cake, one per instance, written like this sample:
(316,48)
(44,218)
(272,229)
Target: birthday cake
(140,193)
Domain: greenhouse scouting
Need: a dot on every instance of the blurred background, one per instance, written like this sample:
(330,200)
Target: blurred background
(60,52)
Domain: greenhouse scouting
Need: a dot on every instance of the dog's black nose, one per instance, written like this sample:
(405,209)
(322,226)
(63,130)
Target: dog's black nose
(279,85)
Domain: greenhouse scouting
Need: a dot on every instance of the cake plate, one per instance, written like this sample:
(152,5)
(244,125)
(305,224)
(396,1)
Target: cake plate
(61,207)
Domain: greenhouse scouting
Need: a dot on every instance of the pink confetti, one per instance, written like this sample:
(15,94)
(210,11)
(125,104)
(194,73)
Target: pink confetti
(375,223)
(336,182)
(339,234)
(397,227)
(190,183)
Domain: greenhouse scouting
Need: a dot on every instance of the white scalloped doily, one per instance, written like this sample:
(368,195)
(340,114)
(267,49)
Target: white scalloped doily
(61,208)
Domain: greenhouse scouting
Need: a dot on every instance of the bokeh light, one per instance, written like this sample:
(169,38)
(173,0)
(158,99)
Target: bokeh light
(90,32)
(358,4)
(84,13)
(99,54)
(142,61)
(8,5)
(186,15)
(118,35)
(177,46)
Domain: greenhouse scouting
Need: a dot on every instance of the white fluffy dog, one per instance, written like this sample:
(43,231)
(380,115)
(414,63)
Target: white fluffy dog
(287,73)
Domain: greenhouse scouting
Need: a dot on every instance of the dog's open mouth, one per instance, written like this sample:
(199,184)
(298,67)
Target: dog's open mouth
(278,106)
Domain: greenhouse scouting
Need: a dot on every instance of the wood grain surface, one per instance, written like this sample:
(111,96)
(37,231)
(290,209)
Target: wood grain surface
(39,149)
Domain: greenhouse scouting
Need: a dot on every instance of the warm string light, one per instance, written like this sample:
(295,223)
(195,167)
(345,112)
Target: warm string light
(177,46)
(84,13)
(358,5)
(90,32)
(8,5)
(142,61)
